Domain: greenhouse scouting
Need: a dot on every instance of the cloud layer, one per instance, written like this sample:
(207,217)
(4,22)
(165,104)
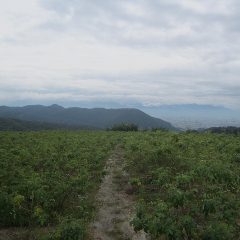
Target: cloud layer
(148,52)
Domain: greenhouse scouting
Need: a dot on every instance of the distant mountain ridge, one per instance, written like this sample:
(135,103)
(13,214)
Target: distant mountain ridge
(99,118)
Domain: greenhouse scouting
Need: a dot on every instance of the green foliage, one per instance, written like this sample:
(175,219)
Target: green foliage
(70,229)
(125,127)
(46,177)
(40,215)
(190,187)
(227,130)
(218,231)
(187,185)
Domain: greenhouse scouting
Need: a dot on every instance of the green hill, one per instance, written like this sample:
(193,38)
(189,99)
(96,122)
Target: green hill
(10,124)
(99,118)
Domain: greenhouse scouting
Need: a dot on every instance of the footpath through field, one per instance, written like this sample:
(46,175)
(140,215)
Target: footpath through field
(116,206)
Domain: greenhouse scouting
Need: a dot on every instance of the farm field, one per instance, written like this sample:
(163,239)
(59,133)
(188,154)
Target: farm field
(182,185)
(48,181)
(187,184)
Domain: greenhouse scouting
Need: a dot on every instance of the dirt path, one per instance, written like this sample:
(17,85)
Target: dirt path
(115,205)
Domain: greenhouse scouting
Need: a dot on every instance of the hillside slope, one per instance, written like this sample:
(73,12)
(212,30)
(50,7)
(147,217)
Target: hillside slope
(94,118)
(10,124)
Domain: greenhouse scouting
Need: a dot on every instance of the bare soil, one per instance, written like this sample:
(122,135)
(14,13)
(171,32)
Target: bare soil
(115,203)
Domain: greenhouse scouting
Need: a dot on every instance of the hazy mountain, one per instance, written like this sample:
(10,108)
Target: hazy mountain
(95,118)
(193,116)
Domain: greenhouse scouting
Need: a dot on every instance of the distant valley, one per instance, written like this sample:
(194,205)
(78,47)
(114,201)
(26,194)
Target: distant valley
(194,116)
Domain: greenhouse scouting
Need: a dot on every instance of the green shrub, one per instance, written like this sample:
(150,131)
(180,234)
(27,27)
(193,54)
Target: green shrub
(72,230)
(218,231)
(126,127)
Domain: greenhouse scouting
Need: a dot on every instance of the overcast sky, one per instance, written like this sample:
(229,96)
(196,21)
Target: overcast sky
(150,52)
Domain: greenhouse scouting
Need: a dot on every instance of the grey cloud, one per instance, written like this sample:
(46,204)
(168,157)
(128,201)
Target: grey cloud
(211,37)
(146,88)
(101,19)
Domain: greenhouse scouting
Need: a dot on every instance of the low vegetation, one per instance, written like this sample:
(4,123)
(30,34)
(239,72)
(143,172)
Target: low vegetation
(125,127)
(227,130)
(187,185)
(47,179)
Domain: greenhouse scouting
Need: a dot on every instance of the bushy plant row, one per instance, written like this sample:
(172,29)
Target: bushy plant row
(125,127)
(187,184)
(47,178)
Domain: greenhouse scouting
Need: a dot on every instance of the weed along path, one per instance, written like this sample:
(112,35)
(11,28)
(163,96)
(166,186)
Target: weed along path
(116,207)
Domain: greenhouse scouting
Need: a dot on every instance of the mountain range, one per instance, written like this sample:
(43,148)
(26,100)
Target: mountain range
(58,117)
